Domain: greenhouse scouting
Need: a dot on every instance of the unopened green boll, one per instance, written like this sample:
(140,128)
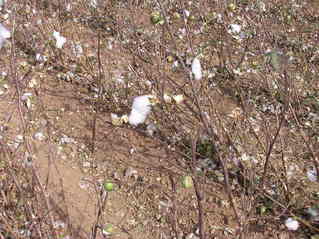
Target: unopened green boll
(108,186)
(187,182)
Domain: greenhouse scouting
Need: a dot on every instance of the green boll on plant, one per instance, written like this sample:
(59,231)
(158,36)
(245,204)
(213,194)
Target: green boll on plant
(108,186)
(157,18)
(187,182)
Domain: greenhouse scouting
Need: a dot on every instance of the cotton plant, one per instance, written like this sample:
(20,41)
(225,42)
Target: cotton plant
(4,34)
(60,40)
(197,69)
(141,108)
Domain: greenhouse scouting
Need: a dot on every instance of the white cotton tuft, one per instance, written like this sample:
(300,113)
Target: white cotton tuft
(135,118)
(151,129)
(312,175)
(142,104)
(234,29)
(140,109)
(4,34)
(60,40)
(178,99)
(197,69)
(292,224)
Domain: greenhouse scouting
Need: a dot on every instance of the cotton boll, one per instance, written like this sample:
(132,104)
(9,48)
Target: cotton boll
(151,129)
(292,224)
(234,29)
(186,12)
(56,34)
(312,175)
(140,109)
(60,40)
(197,69)
(41,58)
(142,104)
(4,34)
(77,49)
(135,118)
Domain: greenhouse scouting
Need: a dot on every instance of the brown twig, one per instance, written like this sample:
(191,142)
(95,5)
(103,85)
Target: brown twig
(198,193)
(173,198)
(99,83)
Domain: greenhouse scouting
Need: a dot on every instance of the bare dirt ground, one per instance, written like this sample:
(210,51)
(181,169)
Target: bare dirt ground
(246,134)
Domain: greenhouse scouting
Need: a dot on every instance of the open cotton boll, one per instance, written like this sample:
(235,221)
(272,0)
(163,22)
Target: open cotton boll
(4,34)
(140,109)
(312,175)
(60,40)
(197,69)
(292,224)
(178,99)
(135,118)
(234,29)
(142,104)
(151,129)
